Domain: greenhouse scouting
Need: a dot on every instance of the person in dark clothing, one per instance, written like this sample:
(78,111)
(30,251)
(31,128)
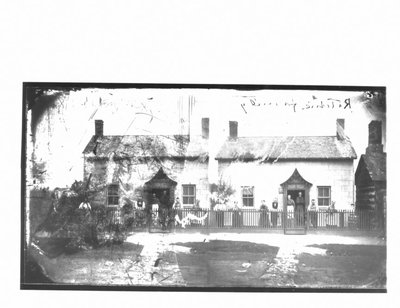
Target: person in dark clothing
(299,210)
(237,218)
(274,213)
(164,210)
(264,221)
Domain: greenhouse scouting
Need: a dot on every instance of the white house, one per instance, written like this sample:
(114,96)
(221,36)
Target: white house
(123,169)
(268,168)
(127,169)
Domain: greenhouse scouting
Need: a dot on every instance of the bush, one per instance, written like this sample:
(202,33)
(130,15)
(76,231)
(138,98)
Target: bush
(85,228)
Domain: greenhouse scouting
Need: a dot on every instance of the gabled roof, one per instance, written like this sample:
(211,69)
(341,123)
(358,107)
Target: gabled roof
(161,176)
(177,146)
(375,164)
(287,148)
(296,178)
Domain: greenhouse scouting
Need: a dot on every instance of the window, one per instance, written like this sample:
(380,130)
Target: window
(324,195)
(112,194)
(248,195)
(188,194)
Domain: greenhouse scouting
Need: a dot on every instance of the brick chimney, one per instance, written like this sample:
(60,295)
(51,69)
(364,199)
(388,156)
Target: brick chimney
(340,129)
(233,129)
(98,128)
(205,128)
(375,137)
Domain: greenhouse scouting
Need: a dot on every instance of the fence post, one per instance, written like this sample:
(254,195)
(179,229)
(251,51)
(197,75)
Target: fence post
(341,219)
(149,214)
(209,220)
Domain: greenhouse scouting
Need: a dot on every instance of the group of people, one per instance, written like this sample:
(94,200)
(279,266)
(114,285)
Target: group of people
(267,220)
(297,212)
(269,217)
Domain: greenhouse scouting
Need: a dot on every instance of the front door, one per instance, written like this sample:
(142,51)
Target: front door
(159,196)
(296,198)
(298,210)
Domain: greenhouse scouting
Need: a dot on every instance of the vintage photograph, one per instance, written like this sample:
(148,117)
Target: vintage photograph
(202,187)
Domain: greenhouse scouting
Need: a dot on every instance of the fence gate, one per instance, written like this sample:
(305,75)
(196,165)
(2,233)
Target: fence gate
(295,222)
(161,220)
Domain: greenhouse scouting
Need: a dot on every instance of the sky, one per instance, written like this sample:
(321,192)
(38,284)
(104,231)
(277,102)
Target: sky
(65,126)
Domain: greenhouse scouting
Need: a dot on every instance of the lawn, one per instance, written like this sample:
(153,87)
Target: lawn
(225,263)
(344,266)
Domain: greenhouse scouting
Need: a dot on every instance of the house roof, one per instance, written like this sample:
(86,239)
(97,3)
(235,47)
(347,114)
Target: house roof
(147,146)
(375,163)
(293,147)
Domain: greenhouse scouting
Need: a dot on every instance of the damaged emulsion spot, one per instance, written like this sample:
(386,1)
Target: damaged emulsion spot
(41,99)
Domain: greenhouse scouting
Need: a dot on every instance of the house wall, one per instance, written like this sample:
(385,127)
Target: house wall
(195,172)
(365,191)
(131,175)
(267,177)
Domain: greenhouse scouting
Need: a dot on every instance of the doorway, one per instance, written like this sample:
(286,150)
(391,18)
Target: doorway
(295,218)
(299,214)
(161,197)
(160,190)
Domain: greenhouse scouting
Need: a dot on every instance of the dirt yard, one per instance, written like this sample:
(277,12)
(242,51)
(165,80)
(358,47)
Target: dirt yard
(361,266)
(225,260)
(225,263)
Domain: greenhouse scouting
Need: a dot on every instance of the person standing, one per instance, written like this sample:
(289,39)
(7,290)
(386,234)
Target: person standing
(313,214)
(290,204)
(237,219)
(154,209)
(155,202)
(198,212)
(178,208)
(264,221)
(274,213)
(140,203)
(300,210)
(177,204)
(164,210)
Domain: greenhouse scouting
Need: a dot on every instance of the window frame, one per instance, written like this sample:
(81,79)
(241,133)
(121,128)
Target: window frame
(188,195)
(113,195)
(323,197)
(247,197)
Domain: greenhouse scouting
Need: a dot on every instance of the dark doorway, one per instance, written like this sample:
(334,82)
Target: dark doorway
(295,219)
(299,215)
(160,196)
(295,194)
(160,190)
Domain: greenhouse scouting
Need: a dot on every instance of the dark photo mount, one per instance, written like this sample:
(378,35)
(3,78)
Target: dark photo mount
(203,187)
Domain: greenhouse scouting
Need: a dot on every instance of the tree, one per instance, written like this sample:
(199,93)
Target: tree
(220,191)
